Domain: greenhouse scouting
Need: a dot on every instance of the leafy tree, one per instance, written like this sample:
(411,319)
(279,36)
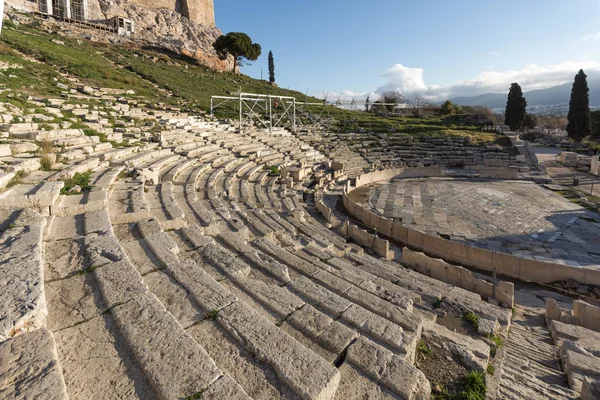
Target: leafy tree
(530,122)
(271,68)
(239,45)
(579,125)
(515,108)
(595,118)
(392,98)
(448,108)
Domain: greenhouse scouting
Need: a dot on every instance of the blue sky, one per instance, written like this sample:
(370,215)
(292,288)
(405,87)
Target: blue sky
(441,49)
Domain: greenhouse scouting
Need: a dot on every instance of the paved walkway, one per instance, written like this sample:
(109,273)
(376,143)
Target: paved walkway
(563,175)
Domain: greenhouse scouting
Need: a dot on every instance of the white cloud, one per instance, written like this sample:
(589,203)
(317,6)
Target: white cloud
(591,37)
(493,53)
(530,77)
(405,79)
(347,96)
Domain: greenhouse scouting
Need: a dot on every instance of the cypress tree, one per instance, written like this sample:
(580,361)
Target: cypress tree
(579,125)
(515,107)
(271,68)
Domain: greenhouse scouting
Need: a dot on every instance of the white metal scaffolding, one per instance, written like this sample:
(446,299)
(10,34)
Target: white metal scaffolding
(266,109)
(271,111)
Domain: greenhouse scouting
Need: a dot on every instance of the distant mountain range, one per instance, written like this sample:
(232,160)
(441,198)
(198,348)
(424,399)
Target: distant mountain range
(543,97)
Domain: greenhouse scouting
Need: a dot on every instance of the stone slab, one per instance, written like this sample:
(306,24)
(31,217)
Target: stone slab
(22,299)
(29,368)
(307,374)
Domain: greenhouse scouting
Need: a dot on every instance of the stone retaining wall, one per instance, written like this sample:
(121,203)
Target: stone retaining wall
(458,276)
(583,314)
(380,246)
(521,268)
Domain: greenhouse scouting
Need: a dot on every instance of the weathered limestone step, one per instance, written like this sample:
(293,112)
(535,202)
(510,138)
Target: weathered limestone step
(388,369)
(175,216)
(217,255)
(307,374)
(157,341)
(126,203)
(29,368)
(225,388)
(81,203)
(528,367)
(31,196)
(266,263)
(84,166)
(524,385)
(5,177)
(386,332)
(103,180)
(21,276)
(55,134)
(319,332)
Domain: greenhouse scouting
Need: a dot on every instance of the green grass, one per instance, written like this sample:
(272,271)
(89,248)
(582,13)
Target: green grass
(497,339)
(422,348)
(93,132)
(472,318)
(80,179)
(134,68)
(76,58)
(473,387)
(196,396)
(212,314)
(490,369)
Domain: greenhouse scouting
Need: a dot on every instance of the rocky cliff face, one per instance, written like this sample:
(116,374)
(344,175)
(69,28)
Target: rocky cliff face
(170,30)
(162,28)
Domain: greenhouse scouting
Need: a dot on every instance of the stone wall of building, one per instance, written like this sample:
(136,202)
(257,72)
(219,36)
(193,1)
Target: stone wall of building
(200,11)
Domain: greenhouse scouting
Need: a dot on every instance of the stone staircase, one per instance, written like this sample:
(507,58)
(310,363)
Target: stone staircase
(529,365)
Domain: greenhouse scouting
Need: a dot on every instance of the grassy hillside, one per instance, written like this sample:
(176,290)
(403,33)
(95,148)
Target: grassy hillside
(35,61)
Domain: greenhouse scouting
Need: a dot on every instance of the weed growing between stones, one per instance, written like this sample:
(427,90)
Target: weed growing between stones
(422,348)
(79,179)
(490,369)
(196,396)
(472,318)
(93,132)
(212,314)
(474,387)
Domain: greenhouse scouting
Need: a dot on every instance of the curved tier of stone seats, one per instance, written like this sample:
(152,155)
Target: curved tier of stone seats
(189,270)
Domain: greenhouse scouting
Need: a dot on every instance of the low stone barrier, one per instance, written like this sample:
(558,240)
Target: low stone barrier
(458,276)
(380,246)
(322,207)
(587,315)
(525,269)
(499,173)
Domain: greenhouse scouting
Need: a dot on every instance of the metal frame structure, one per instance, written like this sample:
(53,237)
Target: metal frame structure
(260,106)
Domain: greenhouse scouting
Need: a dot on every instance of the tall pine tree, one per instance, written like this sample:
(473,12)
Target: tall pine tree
(271,68)
(515,108)
(579,125)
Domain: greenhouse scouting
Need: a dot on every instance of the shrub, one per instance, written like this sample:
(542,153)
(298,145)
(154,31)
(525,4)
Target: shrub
(474,387)
(79,179)
(472,318)
(46,162)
